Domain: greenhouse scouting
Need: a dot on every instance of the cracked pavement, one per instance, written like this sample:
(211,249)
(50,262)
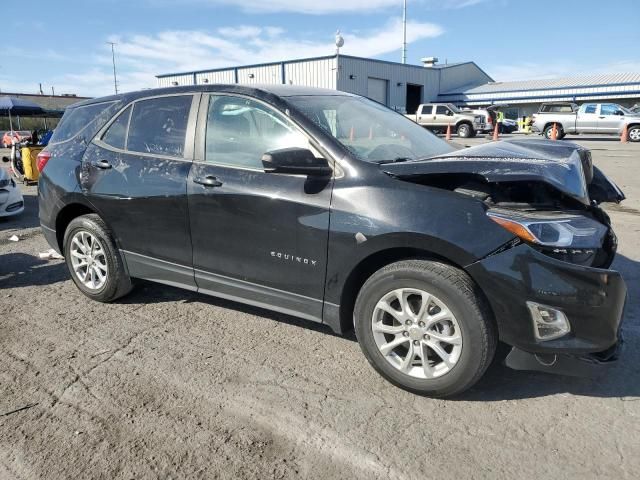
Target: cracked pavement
(166,384)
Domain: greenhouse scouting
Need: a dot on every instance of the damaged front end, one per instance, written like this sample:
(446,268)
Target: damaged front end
(554,299)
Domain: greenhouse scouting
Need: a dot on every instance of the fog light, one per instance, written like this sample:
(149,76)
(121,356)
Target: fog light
(548,323)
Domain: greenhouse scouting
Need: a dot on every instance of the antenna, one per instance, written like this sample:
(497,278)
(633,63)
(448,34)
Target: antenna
(404,32)
(113,58)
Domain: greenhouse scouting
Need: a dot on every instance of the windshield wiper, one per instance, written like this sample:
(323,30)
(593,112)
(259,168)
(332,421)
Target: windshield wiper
(395,160)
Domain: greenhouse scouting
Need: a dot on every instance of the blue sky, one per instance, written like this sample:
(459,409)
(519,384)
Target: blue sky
(510,39)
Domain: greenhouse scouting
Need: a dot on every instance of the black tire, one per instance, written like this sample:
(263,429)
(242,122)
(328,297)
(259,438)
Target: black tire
(633,133)
(548,132)
(117,283)
(465,130)
(462,297)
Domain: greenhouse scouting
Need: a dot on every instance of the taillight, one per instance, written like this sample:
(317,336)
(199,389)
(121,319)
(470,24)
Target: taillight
(42,159)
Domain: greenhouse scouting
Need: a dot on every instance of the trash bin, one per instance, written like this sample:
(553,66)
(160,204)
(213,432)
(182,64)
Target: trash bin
(29,156)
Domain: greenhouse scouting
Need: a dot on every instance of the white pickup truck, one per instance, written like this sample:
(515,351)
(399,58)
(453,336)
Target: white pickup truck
(606,118)
(437,116)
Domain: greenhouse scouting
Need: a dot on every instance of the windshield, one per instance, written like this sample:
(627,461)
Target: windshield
(369,130)
(626,110)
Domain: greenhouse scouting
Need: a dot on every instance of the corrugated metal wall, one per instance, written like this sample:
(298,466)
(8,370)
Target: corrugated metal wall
(268,74)
(354,75)
(313,73)
(223,76)
(182,79)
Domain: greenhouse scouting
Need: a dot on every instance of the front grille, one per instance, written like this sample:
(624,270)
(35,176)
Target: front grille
(15,206)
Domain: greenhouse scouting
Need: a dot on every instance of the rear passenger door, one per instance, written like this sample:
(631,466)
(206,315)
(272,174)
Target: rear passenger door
(425,115)
(135,174)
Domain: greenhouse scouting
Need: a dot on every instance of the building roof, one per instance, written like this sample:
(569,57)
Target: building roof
(584,87)
(299,60)
(586,81)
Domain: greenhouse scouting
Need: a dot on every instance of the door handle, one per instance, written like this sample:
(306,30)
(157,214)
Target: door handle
(601,117)
(102,164)
(208,181)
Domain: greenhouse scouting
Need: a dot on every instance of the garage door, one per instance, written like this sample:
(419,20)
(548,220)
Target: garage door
(377,90)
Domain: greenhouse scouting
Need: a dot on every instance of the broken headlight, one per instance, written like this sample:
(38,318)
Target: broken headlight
(569,237)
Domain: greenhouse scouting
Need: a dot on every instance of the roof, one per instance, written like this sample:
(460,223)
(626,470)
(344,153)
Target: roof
(586,81)
(259,91)
(574,89)
(300,60)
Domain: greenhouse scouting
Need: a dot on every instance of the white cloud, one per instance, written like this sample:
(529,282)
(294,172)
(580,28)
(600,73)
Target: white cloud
(322,7)
(141,57)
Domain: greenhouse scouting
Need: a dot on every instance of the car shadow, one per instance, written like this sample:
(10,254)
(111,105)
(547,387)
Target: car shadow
(151,292)
(23,270)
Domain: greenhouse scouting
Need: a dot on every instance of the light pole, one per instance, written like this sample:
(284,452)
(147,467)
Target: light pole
(113,58)
(404,32)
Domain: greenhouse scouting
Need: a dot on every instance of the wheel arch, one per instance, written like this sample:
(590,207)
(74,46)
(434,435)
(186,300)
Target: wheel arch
(370,264)
(66,216)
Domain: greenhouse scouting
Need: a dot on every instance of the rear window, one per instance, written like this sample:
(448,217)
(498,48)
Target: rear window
(77,119)
(560,108)
(159,125)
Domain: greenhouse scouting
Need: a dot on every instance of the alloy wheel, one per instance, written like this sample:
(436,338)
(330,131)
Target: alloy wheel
(416,333)
(89,260)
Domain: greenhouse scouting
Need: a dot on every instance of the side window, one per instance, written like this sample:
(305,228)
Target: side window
(426,110)
(591,108)
(116,134)
(608,109)
(77,119)
(159,125)
(442,110)
(240,130)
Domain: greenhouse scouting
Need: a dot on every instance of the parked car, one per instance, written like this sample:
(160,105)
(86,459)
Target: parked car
(437,117)
(268,196)
(605,118)
(11,201)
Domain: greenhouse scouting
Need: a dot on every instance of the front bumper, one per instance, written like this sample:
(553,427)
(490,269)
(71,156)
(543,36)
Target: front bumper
(11,201)
(592,299)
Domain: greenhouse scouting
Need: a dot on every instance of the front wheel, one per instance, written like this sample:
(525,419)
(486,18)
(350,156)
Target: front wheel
(425,327)
(93,259)
(634,134)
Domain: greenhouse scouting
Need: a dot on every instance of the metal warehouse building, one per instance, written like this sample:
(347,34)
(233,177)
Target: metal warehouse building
(400,86)
(523,98)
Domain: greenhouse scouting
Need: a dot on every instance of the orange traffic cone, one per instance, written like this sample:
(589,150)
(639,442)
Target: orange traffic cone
(554,132)
(624,138)
(495,133)
(448,137)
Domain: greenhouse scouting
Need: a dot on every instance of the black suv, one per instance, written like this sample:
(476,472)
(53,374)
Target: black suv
(331,207)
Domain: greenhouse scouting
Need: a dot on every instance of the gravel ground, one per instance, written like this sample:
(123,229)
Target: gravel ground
(170,384)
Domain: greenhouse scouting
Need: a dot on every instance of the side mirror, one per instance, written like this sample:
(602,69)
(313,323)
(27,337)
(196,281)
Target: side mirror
(295,161)
(5,159)
(620,112)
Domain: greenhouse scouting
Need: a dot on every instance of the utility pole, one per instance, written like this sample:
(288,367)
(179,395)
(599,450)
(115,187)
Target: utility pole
(404,32)
(113,58)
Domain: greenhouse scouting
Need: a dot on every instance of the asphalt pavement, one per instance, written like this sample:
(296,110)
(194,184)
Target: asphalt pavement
(167,383)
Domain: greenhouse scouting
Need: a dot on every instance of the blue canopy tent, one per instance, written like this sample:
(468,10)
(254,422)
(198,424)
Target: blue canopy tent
(19,106)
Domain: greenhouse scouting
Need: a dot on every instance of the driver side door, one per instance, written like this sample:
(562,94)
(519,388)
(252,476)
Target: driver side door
(257,237)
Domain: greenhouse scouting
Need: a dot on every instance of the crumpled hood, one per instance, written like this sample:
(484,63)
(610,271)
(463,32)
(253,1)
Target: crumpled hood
(563,165)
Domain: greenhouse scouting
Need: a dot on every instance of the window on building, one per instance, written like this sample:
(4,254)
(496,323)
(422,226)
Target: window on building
(159,125)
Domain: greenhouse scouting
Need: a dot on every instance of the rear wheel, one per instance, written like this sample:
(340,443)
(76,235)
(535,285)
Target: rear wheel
(465,130)
(93,259)
(425,327)
(634,133)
